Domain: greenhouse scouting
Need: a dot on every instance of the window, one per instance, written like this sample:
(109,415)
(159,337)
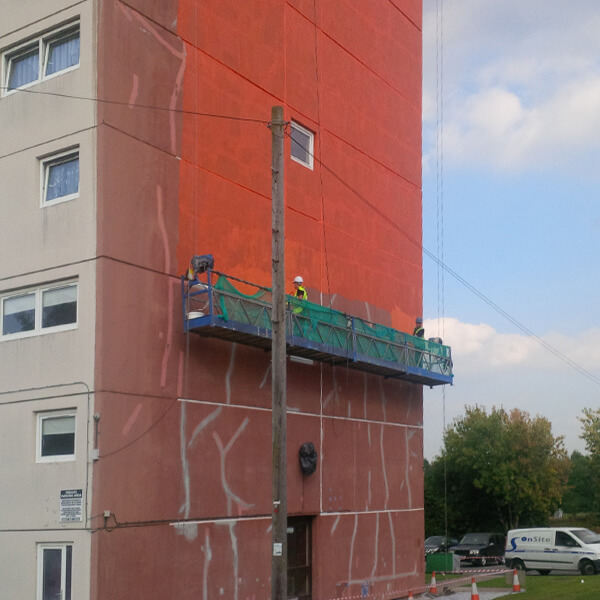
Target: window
(564,539)
(42,310)
(50,54)
(55,568)
(302,145)
(60,177)
(55,436)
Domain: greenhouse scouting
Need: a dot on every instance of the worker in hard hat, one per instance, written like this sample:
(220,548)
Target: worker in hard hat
(419,331)
(299,293)
(299,289)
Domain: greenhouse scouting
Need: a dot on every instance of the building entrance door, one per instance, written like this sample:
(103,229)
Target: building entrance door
(299,558)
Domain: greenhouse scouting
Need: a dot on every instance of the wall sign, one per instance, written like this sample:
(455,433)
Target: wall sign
(71,506)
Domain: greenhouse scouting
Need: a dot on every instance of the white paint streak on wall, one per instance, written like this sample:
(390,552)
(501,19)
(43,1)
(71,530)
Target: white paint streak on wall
(181,54)
(189,530)
(334,391)
(234,550)
(132,418)
(366,379)
(383,399)
(134,90)
(167,251)
(265,378)
(223,452)
(393,536)
(368,311)
(376,550)
(207,559)
(180,375)
(383,469)
(351,557)
(407,435)
(229,373)
(369,489)
(206,421)
(335,524)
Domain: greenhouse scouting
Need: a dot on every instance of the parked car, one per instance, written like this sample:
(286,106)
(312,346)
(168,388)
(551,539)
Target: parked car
(548,549)
(481,548)
(439,543)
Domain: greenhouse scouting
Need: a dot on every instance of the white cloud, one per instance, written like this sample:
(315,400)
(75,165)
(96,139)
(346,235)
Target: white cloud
(479,348)
(521,83)
(513,371)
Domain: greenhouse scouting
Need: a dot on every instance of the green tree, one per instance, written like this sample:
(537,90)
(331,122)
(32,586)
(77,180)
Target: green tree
(503,470)
(580,495)
(590,422)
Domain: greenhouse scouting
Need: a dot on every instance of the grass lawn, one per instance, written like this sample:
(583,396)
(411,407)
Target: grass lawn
(562,587)
(551,587)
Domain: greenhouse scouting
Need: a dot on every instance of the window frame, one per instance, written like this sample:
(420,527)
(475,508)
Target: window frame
(66,570)
(42,43)
(56,414)
(50,160)
(310,150)
(38,293)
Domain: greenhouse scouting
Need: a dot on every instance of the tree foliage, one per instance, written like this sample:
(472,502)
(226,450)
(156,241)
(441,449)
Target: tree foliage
(581,493)
(590,424)
(503,470)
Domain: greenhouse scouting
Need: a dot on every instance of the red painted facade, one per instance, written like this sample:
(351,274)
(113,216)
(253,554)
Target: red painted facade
(185,424)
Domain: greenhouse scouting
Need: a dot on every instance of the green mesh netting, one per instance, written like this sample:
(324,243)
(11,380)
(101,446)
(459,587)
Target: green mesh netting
(330,327)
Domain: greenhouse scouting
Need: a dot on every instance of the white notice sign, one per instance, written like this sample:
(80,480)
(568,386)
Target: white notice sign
(71,505)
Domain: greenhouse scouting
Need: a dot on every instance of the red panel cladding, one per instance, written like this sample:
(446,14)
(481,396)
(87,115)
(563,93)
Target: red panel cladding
(371,466)
(302,490)
(151,76)
(167,459)
(302,66)
(246,38)
(137,211)
(137,331)
(227,220)
(185,427)
(357,395)
(223,559)
(363,110)
(383,551)
(386,40)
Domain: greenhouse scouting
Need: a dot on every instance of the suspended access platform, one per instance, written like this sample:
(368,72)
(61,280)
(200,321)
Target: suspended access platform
(220,306)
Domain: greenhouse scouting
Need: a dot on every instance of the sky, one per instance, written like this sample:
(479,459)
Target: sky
(511,182)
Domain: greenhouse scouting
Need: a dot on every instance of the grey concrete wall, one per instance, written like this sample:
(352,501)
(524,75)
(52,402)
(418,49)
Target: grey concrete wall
(39,246)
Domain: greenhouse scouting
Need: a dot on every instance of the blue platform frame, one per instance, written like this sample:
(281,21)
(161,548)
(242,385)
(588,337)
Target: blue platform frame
(419,361)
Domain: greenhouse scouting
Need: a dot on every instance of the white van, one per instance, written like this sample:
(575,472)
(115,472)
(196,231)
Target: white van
(546,549)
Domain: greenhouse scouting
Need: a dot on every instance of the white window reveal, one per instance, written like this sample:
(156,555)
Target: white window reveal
(53,53)
(55,571)
(60,177)
(302,145)
(55,437)
(41,310)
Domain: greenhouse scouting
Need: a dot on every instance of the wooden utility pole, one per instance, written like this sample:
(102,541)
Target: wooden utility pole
(278,367)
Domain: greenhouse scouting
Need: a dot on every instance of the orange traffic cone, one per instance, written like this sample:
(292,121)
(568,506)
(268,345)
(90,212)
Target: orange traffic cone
(516,584)
(410,596)
(433,584)
(474,592)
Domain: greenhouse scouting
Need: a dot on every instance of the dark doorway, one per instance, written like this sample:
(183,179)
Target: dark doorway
(299,558)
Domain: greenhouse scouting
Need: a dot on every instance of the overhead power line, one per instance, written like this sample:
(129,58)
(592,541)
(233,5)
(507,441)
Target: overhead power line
(133,105)
(385,217)
(462,280)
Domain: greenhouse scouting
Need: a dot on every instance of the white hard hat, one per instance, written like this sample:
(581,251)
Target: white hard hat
(298,279)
